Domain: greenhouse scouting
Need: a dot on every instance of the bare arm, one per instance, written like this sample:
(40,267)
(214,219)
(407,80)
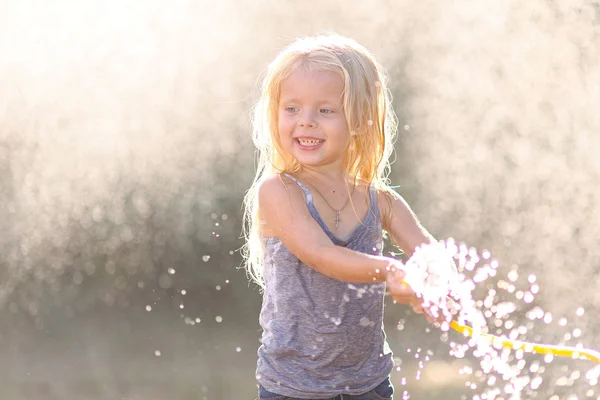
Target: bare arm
(284,214)
(401,223)
(407,233)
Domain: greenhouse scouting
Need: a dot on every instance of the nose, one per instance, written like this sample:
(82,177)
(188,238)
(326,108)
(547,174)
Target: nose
(307,120)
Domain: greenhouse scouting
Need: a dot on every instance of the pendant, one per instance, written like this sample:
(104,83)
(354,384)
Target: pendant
(337,219)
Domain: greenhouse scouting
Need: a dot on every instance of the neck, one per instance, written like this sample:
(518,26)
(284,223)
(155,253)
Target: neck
(323,176)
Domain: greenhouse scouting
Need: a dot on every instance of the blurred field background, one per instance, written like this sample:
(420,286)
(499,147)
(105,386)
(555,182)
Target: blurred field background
(125,152)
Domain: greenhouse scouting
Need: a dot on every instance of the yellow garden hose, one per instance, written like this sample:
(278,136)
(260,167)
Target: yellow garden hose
(418,267)
(559,351)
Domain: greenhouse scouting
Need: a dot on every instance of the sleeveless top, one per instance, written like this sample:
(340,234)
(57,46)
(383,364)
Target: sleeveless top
(322,337)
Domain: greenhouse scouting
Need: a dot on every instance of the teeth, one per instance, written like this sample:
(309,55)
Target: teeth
(310,142)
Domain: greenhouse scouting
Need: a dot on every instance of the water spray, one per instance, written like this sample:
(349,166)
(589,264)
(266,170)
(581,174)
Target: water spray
(528,347)
(432,274)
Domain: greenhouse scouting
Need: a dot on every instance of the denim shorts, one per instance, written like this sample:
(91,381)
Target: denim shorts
(383,391)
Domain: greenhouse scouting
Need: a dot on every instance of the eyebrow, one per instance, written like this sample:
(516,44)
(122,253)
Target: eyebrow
(296,100)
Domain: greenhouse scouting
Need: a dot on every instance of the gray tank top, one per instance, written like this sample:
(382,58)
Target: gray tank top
(321,336)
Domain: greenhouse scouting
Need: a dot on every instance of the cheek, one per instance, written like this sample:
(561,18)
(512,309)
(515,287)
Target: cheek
(285,127)
(342,128)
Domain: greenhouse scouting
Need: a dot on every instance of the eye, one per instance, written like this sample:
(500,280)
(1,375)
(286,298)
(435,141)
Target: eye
(326,111)
(291,109)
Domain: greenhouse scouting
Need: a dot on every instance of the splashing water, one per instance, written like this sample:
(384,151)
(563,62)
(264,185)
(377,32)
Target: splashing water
(452,280)
(450,292)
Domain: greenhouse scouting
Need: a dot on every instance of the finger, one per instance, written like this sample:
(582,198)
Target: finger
(402,299)
(437,315)
(401,288)
(418,308)
(396,273)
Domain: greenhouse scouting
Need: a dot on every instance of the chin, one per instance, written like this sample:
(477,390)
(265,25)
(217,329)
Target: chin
(313,163)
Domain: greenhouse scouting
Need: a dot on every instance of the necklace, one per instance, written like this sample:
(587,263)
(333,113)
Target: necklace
(337,212)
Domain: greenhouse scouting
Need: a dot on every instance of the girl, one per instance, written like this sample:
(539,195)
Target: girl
(324,128)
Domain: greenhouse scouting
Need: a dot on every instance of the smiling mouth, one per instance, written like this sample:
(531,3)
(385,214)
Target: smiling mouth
(309,142)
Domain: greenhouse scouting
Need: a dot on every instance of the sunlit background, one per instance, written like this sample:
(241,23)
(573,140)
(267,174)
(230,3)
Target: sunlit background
(125,152)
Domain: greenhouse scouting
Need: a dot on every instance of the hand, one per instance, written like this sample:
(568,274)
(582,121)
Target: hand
(400,291)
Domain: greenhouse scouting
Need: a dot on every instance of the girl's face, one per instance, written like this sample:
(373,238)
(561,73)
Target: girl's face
(312,124)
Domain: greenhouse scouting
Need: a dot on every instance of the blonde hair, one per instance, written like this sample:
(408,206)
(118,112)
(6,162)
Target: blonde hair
(367,107)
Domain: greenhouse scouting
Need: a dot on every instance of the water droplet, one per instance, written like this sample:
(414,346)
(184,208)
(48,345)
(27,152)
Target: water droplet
(164,282)
(77,278)
(219,319)
(110,267)
(171,271)
(157,353)
(148,308)
(535,289)
(205,258)
(238,349)
(580,311)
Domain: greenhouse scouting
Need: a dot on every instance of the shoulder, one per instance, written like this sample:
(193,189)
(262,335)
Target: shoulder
(400,222)
(278,191)
(384,200)
(276,186)
(388,200)
(282,212)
